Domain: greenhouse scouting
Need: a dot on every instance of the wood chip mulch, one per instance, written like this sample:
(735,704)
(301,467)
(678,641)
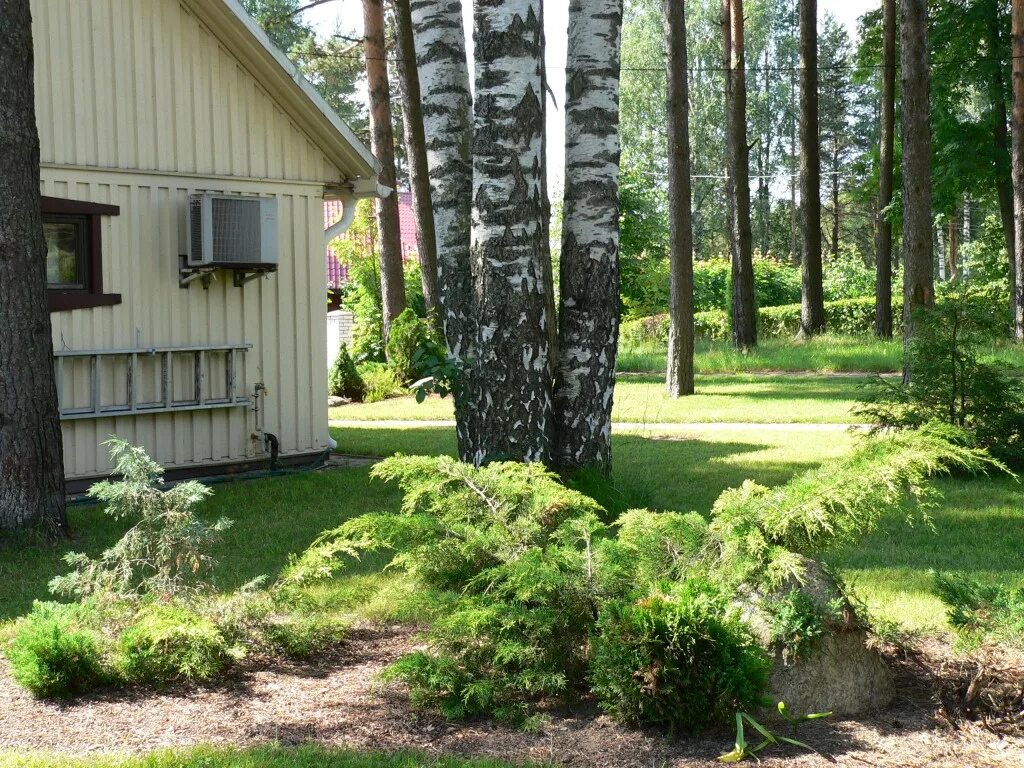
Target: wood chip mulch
(337,701)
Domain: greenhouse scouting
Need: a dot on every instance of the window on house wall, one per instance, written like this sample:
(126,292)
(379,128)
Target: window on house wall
(73,231)
(67,252)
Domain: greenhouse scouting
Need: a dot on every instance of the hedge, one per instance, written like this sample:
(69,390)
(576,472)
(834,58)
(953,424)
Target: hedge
(853,317)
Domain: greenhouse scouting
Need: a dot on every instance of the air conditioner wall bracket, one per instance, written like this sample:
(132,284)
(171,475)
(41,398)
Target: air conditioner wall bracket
(188,275)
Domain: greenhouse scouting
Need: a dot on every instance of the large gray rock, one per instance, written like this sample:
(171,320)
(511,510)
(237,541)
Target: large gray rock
(843,672)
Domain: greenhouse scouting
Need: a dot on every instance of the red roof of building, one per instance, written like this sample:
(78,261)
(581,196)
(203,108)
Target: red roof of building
(337,273)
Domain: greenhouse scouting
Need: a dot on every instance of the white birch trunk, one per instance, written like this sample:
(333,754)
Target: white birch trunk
(588,319)
(447,121)
(512,381)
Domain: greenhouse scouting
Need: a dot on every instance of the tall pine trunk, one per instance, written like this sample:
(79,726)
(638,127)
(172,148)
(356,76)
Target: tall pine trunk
(31,457)
(416,151)
(918,254)
(447,120)
(953,262)
(679,378)
(1018,167)
(812,298)
(588,318)
(513,404)
(883,246)
(1001,142)
(835,197)
(382,142)
(744,317)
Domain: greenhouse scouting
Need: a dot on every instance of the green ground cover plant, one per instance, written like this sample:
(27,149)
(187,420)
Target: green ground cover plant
(982,613)
(534,573)
(146,612)
(950,383)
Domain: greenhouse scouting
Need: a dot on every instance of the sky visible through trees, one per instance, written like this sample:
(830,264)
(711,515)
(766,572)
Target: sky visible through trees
(346,15)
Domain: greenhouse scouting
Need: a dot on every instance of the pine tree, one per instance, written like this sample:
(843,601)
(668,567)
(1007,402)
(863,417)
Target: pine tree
(679,377)
(744,317)
(1018,167)
(883,257)
(32,465)
(812,299)
(416,151)
(392,276)
(918,255)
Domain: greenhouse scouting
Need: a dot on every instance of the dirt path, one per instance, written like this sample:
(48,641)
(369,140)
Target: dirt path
(336,702)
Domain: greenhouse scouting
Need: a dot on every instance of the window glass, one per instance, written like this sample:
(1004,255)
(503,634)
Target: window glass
(65,257)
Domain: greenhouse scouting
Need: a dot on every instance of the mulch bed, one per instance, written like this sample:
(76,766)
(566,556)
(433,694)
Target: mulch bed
(939,720)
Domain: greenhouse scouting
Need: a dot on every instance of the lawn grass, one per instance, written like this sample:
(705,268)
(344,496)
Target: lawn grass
(978,527)
(308,756)
(761,399)
(828,353)
(823,354)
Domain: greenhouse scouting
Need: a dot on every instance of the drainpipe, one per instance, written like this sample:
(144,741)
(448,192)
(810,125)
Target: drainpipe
(349,196)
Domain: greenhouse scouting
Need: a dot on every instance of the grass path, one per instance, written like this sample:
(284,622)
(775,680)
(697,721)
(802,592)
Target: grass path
(641,399)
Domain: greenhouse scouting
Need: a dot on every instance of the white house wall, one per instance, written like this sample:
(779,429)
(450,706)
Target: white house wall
(168,114)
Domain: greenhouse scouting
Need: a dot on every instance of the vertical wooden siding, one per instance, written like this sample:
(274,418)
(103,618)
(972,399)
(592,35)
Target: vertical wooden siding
(138,105)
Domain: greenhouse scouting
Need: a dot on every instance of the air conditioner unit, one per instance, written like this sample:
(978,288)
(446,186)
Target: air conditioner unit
(232,231)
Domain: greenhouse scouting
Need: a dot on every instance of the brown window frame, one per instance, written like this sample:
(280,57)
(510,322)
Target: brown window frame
(91,294)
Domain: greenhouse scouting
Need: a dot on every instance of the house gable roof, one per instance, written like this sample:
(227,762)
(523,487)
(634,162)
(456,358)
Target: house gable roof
(230,22)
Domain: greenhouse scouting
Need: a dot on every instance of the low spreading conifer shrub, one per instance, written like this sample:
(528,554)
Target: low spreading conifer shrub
(56,651)
(678,657)
(546,599)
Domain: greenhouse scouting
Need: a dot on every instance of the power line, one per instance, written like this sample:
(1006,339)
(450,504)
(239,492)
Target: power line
(701,69)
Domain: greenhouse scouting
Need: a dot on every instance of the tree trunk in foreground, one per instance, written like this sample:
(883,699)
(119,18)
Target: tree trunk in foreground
(918,254)
(679,377)
(513,397)
(588,318)
(883,248)
(812,297)
(31,456)
(447,120)
(744,316)
(1018,167)
(416,150)
(382,143)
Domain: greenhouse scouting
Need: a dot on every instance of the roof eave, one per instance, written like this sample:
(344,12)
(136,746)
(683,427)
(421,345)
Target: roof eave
(282,79)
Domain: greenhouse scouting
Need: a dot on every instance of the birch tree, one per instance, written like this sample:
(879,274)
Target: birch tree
(588,319)
(447,120)
(883,256)
(679,378)
(382,143)
(744,319)
(918,254)
(416,151)
(31,458)
(1017,27)
(512,399)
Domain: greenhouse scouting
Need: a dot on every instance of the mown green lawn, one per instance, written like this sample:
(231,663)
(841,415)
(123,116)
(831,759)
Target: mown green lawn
(261,757)
(762,399)
(823,354)
(978,527)
(829,353)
